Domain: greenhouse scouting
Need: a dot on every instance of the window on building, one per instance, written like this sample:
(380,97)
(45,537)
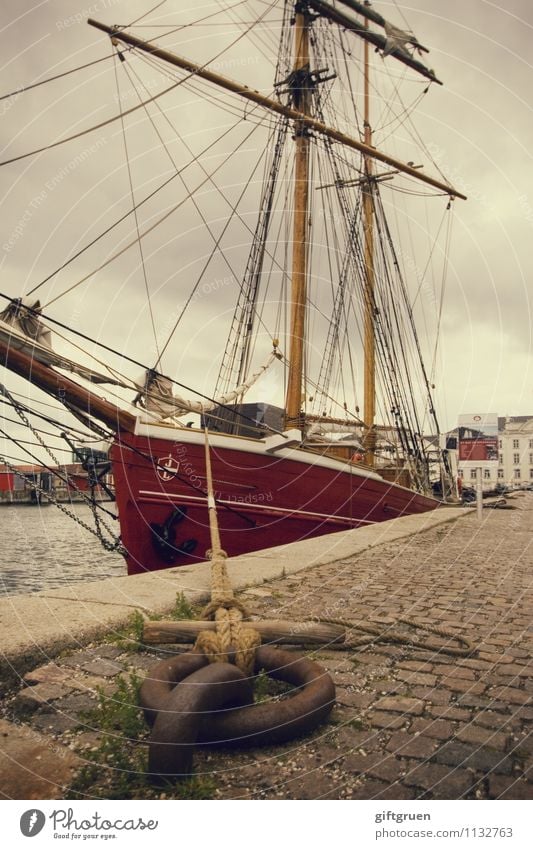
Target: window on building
(531,459)
(461,473)
(516,443)
(500,443)
(531,443)
(516,458)
(473,474)
(517,473)
(531,474)
(500,473)
(486,474)
(500,460)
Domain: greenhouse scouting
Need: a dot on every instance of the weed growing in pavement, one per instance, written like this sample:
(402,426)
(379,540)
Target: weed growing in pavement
(183,609)
(130,637)
(116,768)
(266,689)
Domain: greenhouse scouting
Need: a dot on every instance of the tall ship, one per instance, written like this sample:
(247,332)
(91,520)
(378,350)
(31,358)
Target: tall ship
(266,272)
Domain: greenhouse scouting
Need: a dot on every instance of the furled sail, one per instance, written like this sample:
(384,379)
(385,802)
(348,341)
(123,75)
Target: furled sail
(22,329)
(156,396)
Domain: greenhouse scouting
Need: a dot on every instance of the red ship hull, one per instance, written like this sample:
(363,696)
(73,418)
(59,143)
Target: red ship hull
(264,497)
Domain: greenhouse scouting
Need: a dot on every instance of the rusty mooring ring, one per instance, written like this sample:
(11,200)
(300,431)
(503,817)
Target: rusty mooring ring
(182,714)
(176,729)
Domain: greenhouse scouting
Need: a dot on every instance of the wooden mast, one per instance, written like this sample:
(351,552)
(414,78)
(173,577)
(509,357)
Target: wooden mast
(300,224)
(275,106)
(369,414)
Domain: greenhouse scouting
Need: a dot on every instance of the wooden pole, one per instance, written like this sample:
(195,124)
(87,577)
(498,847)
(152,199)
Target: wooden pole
(271,631)
(369,282)
(64,390)
(300,226)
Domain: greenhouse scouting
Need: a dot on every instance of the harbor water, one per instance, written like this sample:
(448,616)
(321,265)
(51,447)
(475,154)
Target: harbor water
(42,548)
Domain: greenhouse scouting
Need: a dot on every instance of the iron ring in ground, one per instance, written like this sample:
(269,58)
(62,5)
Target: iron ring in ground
(255,724)
(191,703)
(272,722)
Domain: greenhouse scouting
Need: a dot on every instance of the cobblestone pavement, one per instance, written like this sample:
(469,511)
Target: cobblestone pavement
(409,723)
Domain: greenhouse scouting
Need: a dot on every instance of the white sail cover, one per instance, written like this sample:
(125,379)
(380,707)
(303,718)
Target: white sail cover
(23,316)
(156,395)
(397,39)
(22,329)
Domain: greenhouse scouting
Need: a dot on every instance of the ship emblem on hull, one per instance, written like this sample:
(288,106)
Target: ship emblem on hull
(167,467)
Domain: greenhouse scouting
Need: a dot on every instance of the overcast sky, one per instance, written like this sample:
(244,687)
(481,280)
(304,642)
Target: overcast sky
(478,128)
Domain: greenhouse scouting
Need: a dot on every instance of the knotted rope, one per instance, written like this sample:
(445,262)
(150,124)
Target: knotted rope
(231,641)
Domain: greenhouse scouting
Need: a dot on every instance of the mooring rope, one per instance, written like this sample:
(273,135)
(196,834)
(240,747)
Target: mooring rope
(231,641)
(376,634)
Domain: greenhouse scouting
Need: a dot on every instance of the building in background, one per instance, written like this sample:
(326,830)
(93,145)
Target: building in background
(515,450)
(499,448)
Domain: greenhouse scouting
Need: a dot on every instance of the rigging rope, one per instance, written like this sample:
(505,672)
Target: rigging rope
(118,56)
(24,89)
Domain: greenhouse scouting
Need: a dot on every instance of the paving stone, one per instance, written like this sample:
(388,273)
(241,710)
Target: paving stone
(103,668)
(491,719)
(109,652)
(449,671)
(384,719)
(335,665)
(470,757)
(401,705)
(350,739)
(54,722)
(48,674)
(470,663)
(386,768)
(381,790)
(493,657)
(75,704)
(516,669)
(407,745)
(419,678)
(512,695)
(439,782)
(416,666)
(349,699)
(75,660)
(31,765)
(431,694)
(470,701)
(32,698)
(523,712)
(501,787)
(438,729)
(371,659)
(483,737)
(463,685)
